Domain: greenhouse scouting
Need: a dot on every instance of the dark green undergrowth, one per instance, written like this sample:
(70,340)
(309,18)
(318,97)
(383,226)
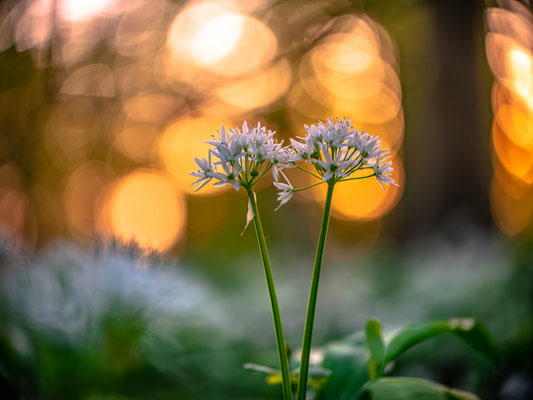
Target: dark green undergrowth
(116,323)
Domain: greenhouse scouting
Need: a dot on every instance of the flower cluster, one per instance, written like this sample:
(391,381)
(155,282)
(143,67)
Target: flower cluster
(244,156)
(337,151)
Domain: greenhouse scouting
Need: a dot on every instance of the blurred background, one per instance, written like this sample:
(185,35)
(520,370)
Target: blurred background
(105,103)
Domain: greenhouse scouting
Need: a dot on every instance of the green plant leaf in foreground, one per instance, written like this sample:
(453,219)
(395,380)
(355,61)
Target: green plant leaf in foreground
(348,363)
(272,375)
(414,389)
(262,369)
(317,375)
(470,331)
(376,346)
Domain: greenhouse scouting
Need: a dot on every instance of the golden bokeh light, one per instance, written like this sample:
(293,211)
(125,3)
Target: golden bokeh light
(255,47)
(372,96)
(307,108)
(146,207)
(346,74)
(510,184)
(137,141)
(259,90)
(34,27)
(72,129)
(515,69)
(80,10)
(17,219)
(151,107)
(378,109)
(521,62)
(142,28)
(182,141)
(516,160)
(90,80)
(514,24)
(497,44)
(141,84)
(521,67)
(189,22)
(218,40)
(82,189)
(512,215)
(508,46)
(517,125)
(390,132)
(346,54)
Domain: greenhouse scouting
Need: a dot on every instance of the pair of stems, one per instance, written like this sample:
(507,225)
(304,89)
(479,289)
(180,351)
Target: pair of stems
(311,306)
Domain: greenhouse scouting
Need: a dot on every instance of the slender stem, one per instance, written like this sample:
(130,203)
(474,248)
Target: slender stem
(247,167)
(282,352)
(357,177)
(313,294)
(265,170)
(310,186)
(306,170)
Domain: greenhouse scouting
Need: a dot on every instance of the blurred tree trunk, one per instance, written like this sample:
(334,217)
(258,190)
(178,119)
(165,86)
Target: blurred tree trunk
(447,156)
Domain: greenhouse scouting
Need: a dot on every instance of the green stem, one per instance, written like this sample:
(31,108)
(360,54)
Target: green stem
(306,170)
(313,294)
(282,352)
(265,170)
(307,187)
(357,177)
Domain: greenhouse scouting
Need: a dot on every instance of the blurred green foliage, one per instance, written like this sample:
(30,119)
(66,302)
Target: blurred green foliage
(116,323)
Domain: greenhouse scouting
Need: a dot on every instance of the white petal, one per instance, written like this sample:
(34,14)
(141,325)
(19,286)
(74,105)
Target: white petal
(202,184)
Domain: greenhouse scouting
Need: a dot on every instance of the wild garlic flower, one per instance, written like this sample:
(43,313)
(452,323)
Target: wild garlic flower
(205,171)
(244,156)
(337,151)
(285,193)
(383,168)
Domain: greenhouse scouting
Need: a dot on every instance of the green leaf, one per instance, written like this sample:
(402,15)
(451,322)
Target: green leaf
(470,331)
(273,376)
(411,389)
(375,344)
(260,368)
(348,365)
(317,376)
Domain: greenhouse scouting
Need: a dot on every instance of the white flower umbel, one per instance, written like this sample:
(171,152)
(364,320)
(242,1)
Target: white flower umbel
(337,151)
(244,156)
